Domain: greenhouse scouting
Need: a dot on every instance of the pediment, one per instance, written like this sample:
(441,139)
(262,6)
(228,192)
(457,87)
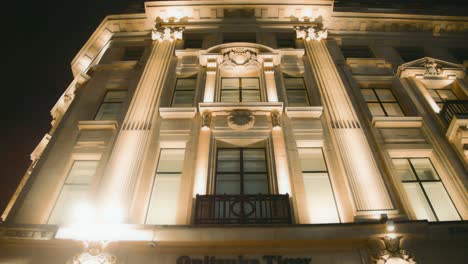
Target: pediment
(428,67)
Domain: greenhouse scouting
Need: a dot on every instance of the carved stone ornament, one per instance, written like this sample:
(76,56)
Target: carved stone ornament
(93,254)
(392,254)
(311,33)
(432,68)
(160,33)
(241,119)
(239,57)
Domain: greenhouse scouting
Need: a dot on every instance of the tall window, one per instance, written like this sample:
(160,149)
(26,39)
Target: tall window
(240,89)
(356,52)
(442,95)
(381,102)
(241,171)
(296,91)
(164,196)
(112,105)
(426,193)
(74,191)
(184,92)
(319,192)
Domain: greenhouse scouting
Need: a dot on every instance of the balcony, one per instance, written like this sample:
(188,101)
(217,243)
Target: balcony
(262,209)
(452,108)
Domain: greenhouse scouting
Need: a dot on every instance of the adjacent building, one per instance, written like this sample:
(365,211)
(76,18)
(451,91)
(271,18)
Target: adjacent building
(254,132)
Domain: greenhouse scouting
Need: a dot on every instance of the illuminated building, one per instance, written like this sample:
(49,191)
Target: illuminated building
(254,132)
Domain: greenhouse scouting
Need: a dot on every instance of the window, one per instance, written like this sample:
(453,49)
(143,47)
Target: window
(410,53)
(296,91)
(112,105)
(240,37)
(241,171)
(133,53)
(164,196)
(184,92)
(426,193)
(442,95)
(356,52)
(74,191)
(319,192)
(381,102)
(242,89)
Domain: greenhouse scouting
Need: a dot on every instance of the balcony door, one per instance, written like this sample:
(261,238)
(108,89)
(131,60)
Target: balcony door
(241,171)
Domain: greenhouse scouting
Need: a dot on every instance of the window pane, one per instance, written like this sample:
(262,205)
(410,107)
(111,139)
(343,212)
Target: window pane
(294,83)
(418,202)
(70,197)
(440,201)
(385,95)
(228,160)
(115,96)
(228,184)
(230,83)
(230,96)
(297,98)
(447,94)
(404,169)
(164,198)
(254,160)
(250,96)
(312,159)
(109,111)
(424,169)
(186,84)
(375,109)
(320,200)
(392,109)
(82,172)
(183,98)
(369,95)
(255,184)
(171,160)
(250,83)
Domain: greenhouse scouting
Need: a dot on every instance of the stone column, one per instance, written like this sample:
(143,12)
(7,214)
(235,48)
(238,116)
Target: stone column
(268,68)
(124,163)
(203,157)
(369,192)
(210,84)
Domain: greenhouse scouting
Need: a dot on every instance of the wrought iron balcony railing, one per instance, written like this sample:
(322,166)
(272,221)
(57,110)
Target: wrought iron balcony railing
(452,108)
(242,209)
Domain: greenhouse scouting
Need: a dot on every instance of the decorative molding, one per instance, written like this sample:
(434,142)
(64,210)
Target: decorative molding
(304,111)
(392,252)
(397,121)
(206,120)
(428,67)
(432,68)
(241,119)
(161,33)
(33,233)
(239,56)
(275,120)
(311,32)
(93,253)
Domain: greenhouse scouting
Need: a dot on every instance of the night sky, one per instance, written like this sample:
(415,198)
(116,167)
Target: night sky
(39,41)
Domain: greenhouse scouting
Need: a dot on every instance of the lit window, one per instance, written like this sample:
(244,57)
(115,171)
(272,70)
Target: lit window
(75,191)
(319,192)
(426,193)
(184,92)
(442,95)
(241,171)
(240,90)
(381,102)
(296,91)
(112,105)
(164,196)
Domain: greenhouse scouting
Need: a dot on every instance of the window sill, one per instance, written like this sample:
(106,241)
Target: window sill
(266,107)
(397,121)
(304,111)
(98,125)
(177,112)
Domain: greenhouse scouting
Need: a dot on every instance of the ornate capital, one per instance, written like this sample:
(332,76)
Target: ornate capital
(311,32)
(275,120)
(432,68)
(239,56)
(206,120)
(393,253)
(166,33)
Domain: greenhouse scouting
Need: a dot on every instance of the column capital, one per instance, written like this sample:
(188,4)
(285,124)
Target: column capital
(317,32)
(161,33)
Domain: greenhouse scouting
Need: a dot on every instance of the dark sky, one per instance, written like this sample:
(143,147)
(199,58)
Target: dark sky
(39,41)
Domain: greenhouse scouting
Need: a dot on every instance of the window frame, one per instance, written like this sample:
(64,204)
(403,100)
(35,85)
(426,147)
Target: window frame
(285,76)
(420,184)
(174,91)
(241,168)
(240,89)
(103,102)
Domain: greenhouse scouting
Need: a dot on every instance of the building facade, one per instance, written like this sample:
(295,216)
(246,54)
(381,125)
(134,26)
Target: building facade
(206,132)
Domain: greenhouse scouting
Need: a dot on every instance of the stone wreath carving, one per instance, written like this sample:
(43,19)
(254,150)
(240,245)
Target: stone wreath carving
(239,57)
(241,119)
(392,252)
(432,68)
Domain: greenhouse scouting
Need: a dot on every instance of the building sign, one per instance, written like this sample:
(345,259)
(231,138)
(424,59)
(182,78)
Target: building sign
(266,259)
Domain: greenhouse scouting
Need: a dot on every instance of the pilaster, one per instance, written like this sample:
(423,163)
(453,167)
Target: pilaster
(368,190)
